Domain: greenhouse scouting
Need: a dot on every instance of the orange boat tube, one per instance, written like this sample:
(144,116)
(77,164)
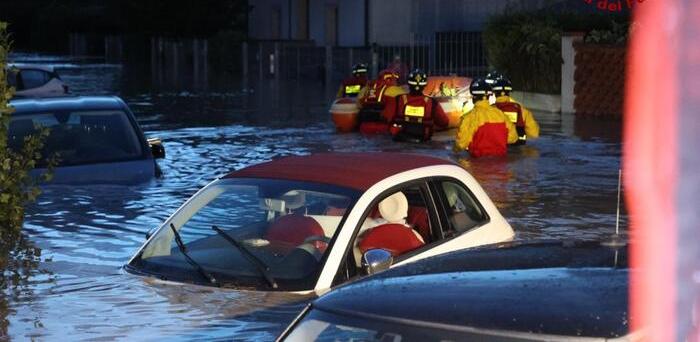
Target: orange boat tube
(451,92)
(344,112)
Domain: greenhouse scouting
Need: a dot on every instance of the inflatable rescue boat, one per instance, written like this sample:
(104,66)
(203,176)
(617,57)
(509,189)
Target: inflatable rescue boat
(451,92)
(344,112)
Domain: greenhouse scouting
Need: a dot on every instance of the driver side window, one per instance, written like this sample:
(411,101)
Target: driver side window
(398,222)
(462,210)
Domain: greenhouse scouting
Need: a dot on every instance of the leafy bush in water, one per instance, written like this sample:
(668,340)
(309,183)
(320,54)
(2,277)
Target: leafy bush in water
(17,187)
(526,46)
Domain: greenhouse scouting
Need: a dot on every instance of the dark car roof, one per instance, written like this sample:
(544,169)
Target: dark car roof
(352,170)
(30,105)
(543,288)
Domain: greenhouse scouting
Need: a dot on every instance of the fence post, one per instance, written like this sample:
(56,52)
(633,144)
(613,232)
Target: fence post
(329,64)
(244,59)
(298,62)
(350,58)
(260,60)
(276,61)
(375,61)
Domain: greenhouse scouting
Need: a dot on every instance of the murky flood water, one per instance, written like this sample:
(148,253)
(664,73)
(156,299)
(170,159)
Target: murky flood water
(562,185)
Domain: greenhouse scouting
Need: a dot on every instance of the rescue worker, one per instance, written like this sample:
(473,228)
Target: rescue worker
(484,130)
(416,115)
(351,86)
(373,93)
(520,116)
(490,79)
(399,68)
(372,100)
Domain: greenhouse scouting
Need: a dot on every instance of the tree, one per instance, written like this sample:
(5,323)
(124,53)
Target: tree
(17,186)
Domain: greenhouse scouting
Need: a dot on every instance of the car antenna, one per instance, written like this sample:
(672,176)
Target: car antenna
(616,240)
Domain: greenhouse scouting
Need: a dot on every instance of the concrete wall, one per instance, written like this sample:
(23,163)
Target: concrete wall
(390,22)
(393,22)
(260,19)
(351,23)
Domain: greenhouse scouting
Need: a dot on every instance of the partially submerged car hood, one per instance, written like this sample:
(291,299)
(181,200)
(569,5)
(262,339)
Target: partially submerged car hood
(545,289)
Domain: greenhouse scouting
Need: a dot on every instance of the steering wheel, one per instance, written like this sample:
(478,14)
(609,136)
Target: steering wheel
(320,242)
(321,238)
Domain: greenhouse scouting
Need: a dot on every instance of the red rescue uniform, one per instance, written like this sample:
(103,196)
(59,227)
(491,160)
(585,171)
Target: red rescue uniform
(485,131)
(416,116)
(373,94)
(524,122)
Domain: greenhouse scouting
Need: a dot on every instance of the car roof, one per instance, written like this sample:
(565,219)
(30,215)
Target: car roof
(47,68)
(352,170)
(38,104)
(543,288)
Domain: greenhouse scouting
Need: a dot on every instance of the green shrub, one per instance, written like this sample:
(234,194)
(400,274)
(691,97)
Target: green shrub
(17,187)
(616,35)
(526,46)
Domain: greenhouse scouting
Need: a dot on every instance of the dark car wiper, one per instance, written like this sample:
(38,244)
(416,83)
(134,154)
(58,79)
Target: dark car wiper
(191,261)
(262,268)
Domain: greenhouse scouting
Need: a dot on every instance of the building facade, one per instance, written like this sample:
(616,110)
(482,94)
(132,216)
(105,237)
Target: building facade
(356,23)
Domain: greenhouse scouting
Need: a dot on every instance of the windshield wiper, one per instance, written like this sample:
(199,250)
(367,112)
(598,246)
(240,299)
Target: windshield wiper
(191,261)
(262,268)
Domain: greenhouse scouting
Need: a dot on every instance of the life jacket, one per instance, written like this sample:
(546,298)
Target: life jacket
(414,117)
(351,86)
(376,88)
(515,113)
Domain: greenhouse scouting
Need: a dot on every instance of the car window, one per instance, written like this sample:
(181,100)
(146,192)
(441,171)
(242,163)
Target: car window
(287,225)
(462,210)
(80,137)
(398,222)
(33,78)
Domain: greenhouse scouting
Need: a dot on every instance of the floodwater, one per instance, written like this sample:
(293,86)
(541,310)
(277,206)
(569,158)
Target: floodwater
(563,186)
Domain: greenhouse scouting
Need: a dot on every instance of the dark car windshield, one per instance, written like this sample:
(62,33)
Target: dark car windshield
(80,136)
(287,226)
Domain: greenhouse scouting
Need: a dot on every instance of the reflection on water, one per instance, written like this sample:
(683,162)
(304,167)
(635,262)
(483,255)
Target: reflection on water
(562,185)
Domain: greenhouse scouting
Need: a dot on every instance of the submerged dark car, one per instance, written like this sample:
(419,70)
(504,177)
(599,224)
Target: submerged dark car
(547,291)
(95,138)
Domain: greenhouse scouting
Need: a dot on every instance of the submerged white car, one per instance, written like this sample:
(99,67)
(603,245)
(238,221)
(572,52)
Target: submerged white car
(308,223)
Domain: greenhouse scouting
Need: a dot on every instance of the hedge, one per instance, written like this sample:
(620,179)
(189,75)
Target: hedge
(526,46)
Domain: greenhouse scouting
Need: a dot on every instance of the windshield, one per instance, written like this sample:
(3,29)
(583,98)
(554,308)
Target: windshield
(80,137)
(234,228)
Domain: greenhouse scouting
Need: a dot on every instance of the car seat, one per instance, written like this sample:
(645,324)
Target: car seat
(418,219)
(289,231)
(394,236)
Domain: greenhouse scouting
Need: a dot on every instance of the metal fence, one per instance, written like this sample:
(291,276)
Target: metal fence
(443,53)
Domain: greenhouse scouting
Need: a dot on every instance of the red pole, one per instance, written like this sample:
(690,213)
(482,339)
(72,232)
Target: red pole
(651,166)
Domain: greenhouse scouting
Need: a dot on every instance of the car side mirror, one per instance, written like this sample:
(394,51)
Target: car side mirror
(376,260)
(157,148)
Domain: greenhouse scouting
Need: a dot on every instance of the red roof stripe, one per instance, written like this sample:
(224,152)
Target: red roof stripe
(352,170)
